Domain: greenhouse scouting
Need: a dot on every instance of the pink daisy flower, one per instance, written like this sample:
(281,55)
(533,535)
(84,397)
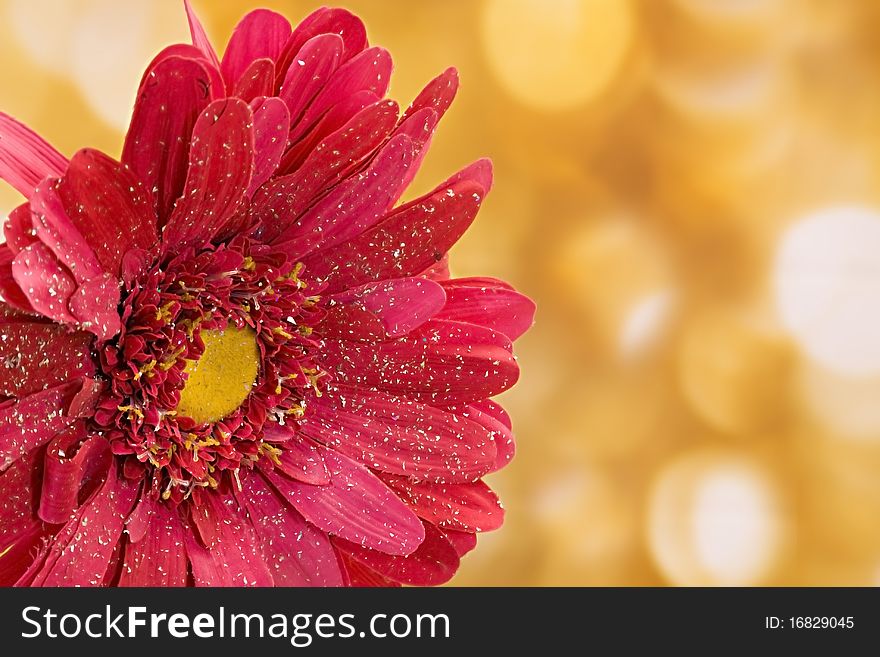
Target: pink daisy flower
(233,358)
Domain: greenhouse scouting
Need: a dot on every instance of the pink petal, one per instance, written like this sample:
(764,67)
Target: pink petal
(34,357)
(34,420)
(406,243)
(465,507)
(47,285)
(355,505)
(221,165)
(159,559)
(434,563)
(281,201)
(72,458)
(157,143)
(438,271)
(10,293)
(395,307)
(21,532)
(109,207)
(463,542)
(353,206)
(419,127)
(395,435)
(11,315)
(260,34)
(441,362)
(199,37)
(369,70)
(438,94)
(257,80)
(25,158)
(19,229)
(488,303)
(358,575)
(81,551)
(232,554)
(340,22)
(296,553)
(56,230)
(95,304)
(300,458)
(217,88)
(495,420)
(331,121)
(309,71)
(271,125)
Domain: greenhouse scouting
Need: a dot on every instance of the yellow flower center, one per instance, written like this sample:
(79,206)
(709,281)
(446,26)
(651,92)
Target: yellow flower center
(223,377)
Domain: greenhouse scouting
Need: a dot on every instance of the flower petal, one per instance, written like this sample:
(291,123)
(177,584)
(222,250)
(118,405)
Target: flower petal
(331,121)
(257,80)
(405,243)
(10,293)
(52,226)
(109,207)
(295,552)
(232,555)
(488,303)
(47,285)
(353,206)
(441,362)
(355,505)
(25,158)
(339,22)
(199,37)
(96,305)
(434,563)
(72,458)
(271,125)
(82,550)
(157,143)
(399,436)
(18,229)
(309,71)
(438,94)
(21,532)
(463,542)
(221,165)
(369,70)
(358,575)
(260,34)
(34,420)
(160,558)
(378,311)
(34,357)
(282,200)
(464,507)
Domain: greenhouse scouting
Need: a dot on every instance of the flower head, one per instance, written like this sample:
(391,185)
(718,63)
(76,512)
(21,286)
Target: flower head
(232,357)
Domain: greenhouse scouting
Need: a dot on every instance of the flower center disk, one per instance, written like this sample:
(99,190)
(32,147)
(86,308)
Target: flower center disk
(220,381)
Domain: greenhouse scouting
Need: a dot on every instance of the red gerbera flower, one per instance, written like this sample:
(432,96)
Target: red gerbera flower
(232,358)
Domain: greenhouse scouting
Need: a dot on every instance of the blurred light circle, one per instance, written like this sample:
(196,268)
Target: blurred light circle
(716,519)
(620,276)
(43,28)
(645,322)
(734,372)
(557,55)
(133,32)
(827,286)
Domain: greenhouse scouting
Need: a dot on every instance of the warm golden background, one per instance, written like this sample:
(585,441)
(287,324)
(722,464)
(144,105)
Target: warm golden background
(690,189)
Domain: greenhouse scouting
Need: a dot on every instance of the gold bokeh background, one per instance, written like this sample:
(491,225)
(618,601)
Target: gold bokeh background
(690,189)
